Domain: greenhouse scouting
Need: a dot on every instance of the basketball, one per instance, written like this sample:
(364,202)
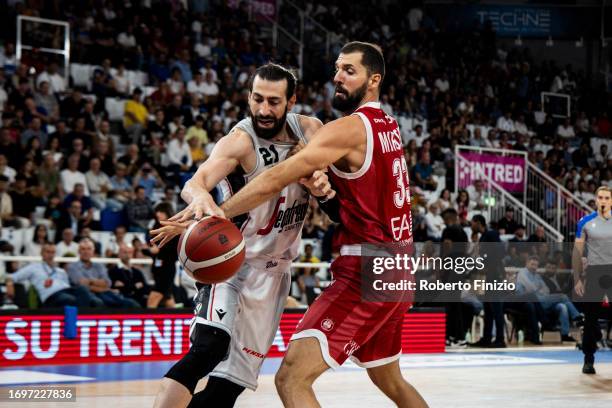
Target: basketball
(211,250)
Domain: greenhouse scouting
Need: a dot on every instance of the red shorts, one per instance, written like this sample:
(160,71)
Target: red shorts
(368,332)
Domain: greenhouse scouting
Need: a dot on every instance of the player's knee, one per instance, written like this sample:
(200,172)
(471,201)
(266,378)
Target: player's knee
(209,347)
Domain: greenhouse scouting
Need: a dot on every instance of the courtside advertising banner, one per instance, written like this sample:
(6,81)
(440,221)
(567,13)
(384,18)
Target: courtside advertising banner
(507,171)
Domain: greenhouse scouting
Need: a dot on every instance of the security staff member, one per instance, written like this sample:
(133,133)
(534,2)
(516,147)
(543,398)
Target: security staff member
(595,230)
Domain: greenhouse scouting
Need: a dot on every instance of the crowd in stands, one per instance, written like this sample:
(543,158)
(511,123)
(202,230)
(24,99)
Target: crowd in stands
(67,167)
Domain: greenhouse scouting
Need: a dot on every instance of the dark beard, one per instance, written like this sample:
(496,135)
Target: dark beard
(351,102)
(274,130)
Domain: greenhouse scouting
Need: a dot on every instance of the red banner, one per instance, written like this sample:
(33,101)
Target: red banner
(39,339)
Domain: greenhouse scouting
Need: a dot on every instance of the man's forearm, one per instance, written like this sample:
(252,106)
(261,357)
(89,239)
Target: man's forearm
(253,194)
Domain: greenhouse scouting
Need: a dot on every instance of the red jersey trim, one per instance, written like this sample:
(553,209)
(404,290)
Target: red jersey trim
(369,152)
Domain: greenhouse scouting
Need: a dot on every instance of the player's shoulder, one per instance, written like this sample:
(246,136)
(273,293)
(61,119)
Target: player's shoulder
(582,221)
(237,141)
(309,124)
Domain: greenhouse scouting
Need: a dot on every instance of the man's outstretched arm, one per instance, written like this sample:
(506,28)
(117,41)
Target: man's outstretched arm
(332,142)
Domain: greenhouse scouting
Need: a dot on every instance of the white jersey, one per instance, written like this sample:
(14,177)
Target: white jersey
(273,229)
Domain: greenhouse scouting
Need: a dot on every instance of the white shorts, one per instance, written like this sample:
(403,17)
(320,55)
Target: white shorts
(248,307)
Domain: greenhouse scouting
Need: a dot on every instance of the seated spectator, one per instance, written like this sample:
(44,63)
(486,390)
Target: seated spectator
(116,241)
(53,78)
(40,238)
(463,205)
(529,282)
(148,178)
(135,117)
(139,211)
(54,210)
(538,235)
(434,222)
(67,246)
(127,279)
(566,130)
(519,234)
(210,89)
(74,218)
(556,283)
(197,153)
(71,176)
(23,202)
(34,130)
(508,224)
(197,131)
(86,233)
(477,194)
(179,155)
(51,283)
(6,170)
(131,159)
(48,175)
(93,277)
(121,189)
(444,201)
(78,195)
(423,173)
(98,183)
(7,218)
(308,281)
(505,122)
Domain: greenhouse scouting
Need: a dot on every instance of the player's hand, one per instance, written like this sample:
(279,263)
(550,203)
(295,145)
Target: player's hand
(579,287)
(168,230)
(201,205)
(318,184)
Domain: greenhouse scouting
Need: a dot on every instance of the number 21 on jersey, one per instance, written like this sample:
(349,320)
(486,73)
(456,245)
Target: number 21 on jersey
(400,171)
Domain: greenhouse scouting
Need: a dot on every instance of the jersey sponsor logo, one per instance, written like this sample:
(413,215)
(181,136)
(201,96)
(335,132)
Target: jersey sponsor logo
(271,264)
(381,121)
(253,352)
(401,225)
(292,217)
(268,228)
(327,324)
(390,141)
(221,313)
(351,347)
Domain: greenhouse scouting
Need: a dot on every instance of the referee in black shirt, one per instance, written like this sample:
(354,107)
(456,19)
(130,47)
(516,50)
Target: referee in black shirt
(593,233)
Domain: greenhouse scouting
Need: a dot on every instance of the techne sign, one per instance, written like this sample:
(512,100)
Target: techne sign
(517,20)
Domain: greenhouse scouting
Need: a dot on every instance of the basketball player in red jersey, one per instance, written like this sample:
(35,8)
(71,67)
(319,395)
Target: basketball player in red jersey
(369,173)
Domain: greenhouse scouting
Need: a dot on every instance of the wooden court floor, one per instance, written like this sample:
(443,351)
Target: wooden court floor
(529,385)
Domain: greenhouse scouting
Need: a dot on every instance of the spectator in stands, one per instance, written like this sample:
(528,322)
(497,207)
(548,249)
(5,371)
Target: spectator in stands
(477,195)
(34,130)
(39,238)
(148,178)
(72,106)
(52,77)
(164,263)
(197,131)
(538,235)
(121,189)
(603,157)
(505,122)
(78,195)
(23,202)
(51,283)
(6,170)
(210,89)
(566,130)
(7,218)
(508,224)
(139,211)
(444,200)
(135,116)
(519,234)
(74,218)
(48,176)
(98,183)
(423,173)
(528,281)
(47,101)
(127,279)
(463,205)
(308,280)
(175,82)
(434,222)
(555,281)
(179,155)
(66,245)
(86,233)
(94,277)
(118,239)
(131,159)
(71,176)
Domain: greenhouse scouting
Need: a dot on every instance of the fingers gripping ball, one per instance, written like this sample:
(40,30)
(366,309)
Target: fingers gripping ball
(211,250)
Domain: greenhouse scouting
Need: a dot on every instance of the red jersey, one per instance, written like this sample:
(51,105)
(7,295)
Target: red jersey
(375,200)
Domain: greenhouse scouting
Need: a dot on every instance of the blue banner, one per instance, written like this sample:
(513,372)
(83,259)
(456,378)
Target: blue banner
(526,21)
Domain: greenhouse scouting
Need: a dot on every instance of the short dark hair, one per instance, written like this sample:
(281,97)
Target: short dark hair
(371,56)
(275,72)
(165,208)
(479,219)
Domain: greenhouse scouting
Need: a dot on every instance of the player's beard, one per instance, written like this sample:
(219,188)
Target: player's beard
(350,101)
(266,133)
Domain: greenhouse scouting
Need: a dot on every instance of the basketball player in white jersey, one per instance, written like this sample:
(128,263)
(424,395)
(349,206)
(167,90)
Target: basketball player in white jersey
(236,321)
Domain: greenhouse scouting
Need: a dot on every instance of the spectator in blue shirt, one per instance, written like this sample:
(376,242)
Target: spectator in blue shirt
(51,283)
(94,278)
(423,173)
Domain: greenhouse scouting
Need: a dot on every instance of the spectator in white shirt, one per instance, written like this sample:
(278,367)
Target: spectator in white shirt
(57,82)
(196,85)
(177,86)
(434,222)
(121,80)
(603,156)
(210,89)
(506,123)
(67,246)
(71,175)
(442,83)
(6,170)
(98,182)
(179,153)
(566,130)
(520,126)
(126,38)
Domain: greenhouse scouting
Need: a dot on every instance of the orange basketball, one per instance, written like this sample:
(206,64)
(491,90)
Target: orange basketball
(211,250)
